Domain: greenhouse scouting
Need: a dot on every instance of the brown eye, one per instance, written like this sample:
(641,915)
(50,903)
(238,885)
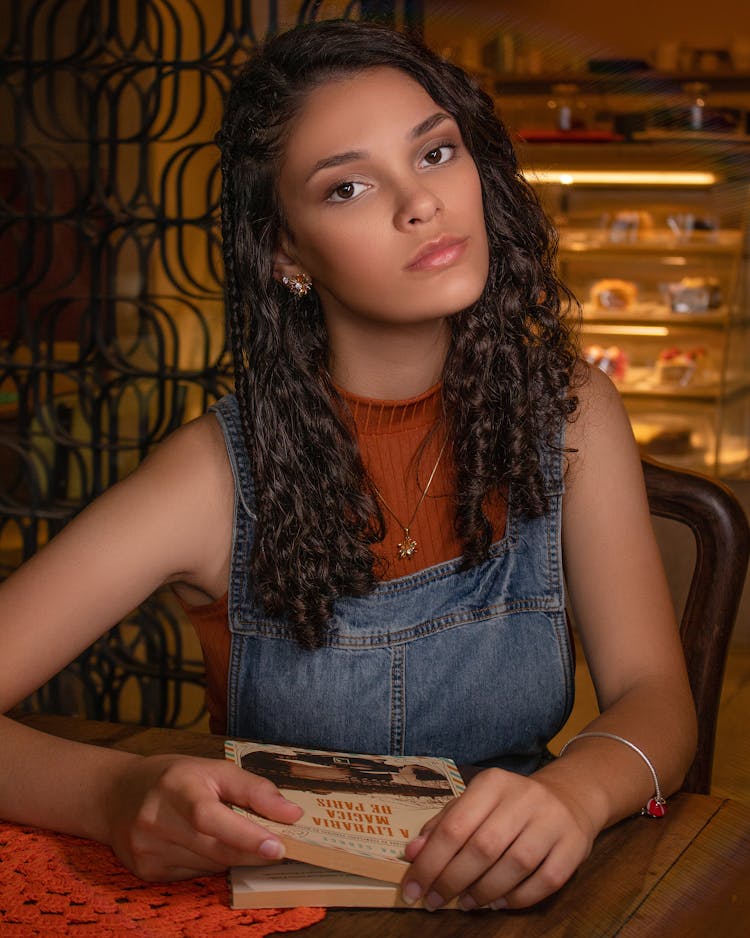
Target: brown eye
(347,191)
(438,155)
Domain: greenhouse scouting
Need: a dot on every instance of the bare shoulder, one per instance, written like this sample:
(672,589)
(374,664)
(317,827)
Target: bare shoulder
(196,450)
(600,408)
(191,474)
(605,516)
(600,440)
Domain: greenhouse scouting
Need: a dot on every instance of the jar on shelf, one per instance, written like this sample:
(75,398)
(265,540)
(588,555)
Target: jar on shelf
(564,105)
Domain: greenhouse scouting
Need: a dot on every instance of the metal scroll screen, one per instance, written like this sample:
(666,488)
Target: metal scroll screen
(112,326)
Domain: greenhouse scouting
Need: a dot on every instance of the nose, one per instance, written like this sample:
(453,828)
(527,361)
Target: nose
(416,205)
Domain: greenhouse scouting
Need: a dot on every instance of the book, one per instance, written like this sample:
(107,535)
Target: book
(360,811)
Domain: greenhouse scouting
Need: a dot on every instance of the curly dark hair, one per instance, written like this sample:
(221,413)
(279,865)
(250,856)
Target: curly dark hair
(506,384)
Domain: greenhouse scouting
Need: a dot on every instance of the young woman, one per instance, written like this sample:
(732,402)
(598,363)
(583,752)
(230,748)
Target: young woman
(370,536)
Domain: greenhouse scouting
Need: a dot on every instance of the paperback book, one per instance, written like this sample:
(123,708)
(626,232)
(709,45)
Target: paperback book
(360,811)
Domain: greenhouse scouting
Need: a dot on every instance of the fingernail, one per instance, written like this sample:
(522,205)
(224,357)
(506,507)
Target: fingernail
(467,903)
(411,892)
(433,901)
(271,849)
(499,904)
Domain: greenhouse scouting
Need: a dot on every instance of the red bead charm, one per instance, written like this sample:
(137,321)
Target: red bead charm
(655,807)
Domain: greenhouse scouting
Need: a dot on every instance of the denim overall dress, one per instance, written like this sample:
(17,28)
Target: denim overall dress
(473,665)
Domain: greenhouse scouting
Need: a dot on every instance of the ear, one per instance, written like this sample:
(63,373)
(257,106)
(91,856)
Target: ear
(284,263)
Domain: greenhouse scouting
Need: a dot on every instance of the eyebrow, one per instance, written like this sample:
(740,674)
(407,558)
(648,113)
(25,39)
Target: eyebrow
(338,159)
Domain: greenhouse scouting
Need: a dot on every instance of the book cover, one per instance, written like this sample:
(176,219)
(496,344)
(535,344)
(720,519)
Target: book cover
(360,812)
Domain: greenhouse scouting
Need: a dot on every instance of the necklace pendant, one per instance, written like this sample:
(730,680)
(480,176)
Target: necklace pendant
(407,547)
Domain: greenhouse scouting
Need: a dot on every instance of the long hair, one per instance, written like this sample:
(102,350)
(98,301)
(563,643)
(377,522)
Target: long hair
(507,376)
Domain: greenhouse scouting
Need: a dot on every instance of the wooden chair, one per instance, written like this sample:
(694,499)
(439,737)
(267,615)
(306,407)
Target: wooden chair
(722,545)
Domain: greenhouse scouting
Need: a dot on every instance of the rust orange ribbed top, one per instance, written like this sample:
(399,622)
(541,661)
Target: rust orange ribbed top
(391,435)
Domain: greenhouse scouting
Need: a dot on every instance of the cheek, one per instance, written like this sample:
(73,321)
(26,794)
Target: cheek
(353,246)
(477,201)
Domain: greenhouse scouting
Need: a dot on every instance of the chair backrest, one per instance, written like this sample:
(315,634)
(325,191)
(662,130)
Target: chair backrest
(722,546)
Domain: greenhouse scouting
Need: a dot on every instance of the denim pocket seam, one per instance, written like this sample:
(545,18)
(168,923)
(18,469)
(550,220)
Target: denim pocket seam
(274,630)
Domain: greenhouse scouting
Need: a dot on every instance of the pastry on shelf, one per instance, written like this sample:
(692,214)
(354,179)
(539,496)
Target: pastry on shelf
(693,294)
(614,294)
(612,360)
(679,367)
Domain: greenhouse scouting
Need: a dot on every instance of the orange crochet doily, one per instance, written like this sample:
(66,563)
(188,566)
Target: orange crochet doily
(53,884)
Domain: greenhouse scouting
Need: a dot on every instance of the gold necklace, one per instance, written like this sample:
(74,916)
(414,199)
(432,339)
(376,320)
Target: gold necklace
(408,547)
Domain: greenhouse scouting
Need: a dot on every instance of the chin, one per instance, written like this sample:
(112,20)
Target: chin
(451,302)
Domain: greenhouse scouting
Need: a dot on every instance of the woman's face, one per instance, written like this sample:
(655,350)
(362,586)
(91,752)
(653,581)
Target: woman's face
(383,203)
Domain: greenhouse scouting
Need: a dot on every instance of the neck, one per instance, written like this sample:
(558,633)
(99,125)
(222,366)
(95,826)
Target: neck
(389,362)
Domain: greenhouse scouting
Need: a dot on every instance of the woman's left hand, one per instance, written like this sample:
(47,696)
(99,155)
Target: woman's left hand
(507,842)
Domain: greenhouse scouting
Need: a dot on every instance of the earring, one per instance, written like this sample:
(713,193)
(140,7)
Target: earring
(299,284)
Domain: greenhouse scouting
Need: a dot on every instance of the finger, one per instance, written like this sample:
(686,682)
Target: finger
(222,856)
(239,841)
(448,836)
(479,855)
(194,807)
(551,875)
(522,859)
(561,854)
(235,835)
(233,785)
(155,858)
(185,778)
(415,845)
(261,796)
(435,819)
(165,837)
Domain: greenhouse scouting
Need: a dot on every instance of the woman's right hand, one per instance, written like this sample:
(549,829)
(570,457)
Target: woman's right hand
(168,817)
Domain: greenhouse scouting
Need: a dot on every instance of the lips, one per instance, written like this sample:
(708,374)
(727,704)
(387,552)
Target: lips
(441,252)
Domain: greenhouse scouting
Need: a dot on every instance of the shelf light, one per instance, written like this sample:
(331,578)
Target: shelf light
(613,329)
(630,177)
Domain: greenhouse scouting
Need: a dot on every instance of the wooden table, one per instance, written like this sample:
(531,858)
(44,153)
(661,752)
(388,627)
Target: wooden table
(685,875)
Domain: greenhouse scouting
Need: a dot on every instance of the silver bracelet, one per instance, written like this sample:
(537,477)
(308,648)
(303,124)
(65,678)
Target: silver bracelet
(656,806)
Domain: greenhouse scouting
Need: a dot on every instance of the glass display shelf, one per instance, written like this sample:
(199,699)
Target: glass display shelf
(661,272)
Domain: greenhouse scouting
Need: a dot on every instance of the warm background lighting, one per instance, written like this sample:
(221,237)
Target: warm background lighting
(591,177)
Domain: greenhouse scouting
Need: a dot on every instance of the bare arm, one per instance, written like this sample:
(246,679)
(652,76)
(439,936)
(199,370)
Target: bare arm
(511,840)
(170,522)
(625,618)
